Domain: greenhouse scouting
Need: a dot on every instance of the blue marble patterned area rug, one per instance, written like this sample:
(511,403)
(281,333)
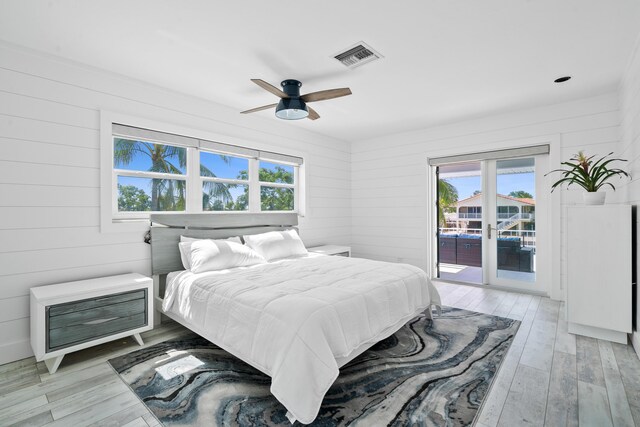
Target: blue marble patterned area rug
(429,373)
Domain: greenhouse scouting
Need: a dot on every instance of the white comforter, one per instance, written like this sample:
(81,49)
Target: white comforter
(294,319)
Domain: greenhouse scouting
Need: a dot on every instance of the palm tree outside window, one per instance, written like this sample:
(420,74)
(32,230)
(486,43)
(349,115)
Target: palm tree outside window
(152,177)
(157,172)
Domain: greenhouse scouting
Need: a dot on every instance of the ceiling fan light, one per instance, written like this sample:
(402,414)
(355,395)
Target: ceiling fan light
(291,109)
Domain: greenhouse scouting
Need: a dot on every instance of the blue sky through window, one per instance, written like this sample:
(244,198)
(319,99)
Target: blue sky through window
(465,185)
(235,192)
(224,166)
(517,181)
(143,184)
(141,159)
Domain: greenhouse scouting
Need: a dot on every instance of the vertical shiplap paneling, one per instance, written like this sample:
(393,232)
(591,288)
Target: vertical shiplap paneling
(389,173)
(49,175)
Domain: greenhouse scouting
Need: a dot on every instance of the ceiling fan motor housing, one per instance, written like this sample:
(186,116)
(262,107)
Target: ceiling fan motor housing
(291,87)
(292,108)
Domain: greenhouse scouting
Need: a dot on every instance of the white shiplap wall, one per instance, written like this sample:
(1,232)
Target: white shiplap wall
(389,173)
(630,147)
(49,176)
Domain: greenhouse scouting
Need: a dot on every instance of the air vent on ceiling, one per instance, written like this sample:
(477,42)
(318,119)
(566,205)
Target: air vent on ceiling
(358,55)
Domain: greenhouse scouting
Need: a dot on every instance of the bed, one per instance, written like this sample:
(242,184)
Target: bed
(297,319)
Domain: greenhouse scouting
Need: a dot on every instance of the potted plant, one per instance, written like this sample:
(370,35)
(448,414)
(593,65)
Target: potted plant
(590,175)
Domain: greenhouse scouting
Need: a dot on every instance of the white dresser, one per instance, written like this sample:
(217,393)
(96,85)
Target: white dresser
(599,271)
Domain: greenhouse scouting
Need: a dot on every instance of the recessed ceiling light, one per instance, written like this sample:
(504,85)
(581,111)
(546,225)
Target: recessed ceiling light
(562,79)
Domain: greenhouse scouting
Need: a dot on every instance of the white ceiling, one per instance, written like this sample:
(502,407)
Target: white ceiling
(445,60)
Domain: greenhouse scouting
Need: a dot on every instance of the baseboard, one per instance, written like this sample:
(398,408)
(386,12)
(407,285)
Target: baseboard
(635,341)
(13,351)
(513,289)
(599,333)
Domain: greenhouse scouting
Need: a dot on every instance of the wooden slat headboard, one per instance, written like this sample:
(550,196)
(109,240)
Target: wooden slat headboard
(166,230)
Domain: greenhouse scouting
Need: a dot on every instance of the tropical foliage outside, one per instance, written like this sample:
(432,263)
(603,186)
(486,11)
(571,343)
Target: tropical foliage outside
(132,198)
(271,198)
(521,194)
(276,198)
(166,194)
(447,199)
(170,194)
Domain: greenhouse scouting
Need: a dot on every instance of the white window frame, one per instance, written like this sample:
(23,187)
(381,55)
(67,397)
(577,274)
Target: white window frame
(113,221)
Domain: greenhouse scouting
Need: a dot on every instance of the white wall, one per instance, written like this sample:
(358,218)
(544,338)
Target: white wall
(389,173)
(49,176)
(630,145)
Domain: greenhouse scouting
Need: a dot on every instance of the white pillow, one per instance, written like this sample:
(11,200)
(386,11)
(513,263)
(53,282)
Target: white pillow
(185,249)
(276,244)
(211,255)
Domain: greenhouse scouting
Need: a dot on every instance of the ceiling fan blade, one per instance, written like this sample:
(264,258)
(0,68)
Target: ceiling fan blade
(326,94)
(270,88)
(253,110)
(313,115)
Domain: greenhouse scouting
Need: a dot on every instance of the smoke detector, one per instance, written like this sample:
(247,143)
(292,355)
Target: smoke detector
(358,55)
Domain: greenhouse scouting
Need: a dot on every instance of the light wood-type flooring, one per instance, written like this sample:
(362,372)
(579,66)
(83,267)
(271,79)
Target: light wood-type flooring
(549,377)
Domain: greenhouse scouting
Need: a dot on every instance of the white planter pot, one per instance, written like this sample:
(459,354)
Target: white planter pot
(595,198)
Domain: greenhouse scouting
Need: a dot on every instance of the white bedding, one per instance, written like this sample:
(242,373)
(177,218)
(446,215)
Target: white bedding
(296,319)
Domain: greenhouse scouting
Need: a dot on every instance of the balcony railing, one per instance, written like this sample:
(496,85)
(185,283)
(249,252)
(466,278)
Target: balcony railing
(501,215)
(469,215)
(528,237)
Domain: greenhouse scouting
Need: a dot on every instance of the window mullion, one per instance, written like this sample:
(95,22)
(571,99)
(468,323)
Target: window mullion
(115,193)
(254,186)
(194,182)
(296,193)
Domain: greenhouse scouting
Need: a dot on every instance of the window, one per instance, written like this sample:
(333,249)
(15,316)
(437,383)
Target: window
(277,187)
(225,182)
(159,172)
(149,176)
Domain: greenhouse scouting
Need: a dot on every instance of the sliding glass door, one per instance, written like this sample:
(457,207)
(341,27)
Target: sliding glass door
(491,216)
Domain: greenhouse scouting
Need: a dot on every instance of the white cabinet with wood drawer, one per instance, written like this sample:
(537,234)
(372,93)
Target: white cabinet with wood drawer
(72,316)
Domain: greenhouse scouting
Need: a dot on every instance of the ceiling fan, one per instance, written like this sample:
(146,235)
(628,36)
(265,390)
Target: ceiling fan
(292,105)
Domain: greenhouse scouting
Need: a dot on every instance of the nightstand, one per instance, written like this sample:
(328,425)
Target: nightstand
(72,316)
(331,250)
